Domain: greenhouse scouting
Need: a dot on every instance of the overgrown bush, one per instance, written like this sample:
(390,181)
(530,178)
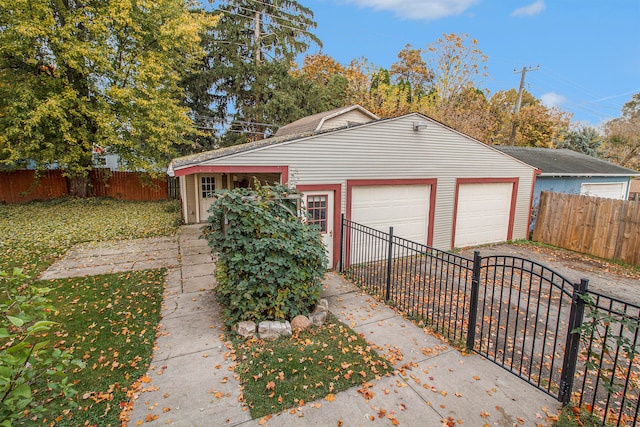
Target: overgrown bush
(32,370)
(270,263)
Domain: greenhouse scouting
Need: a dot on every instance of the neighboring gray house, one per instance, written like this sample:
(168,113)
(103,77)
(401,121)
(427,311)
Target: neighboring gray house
(431,183)
(566,171)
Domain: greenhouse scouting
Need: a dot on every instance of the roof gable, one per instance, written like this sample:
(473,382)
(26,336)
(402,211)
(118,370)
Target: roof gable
(563,162)
(417,119)
(327,120)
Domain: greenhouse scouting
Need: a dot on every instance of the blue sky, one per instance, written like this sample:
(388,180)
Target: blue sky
(588,51)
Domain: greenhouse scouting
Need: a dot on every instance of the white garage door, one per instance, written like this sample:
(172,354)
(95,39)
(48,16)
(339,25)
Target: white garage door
(483,213)
(612,190)
(405,207)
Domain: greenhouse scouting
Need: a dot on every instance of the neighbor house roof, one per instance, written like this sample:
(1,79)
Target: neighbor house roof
(565,162)
(315,122)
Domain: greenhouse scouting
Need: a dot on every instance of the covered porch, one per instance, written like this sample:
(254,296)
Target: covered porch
(199,184)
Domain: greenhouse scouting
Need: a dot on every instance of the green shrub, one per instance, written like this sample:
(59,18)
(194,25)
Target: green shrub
(270,263)
(32,371)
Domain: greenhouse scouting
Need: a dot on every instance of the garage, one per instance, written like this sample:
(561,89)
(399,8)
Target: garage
(484,213)
(610,190)
(405,172)
(403,206)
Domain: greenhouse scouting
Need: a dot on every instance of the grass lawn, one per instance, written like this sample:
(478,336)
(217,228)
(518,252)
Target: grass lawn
(310,365)
(108,321)
(34,235)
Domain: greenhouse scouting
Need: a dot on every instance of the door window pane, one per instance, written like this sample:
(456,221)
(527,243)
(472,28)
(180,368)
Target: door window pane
(317,210)
(207,186)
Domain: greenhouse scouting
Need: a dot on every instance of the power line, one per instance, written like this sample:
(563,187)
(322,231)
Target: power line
(281,25)
(516,109)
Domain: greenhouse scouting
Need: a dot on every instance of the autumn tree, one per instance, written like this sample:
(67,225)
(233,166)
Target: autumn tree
(537,125)
(622,144)
(457,63)
(77,74)
(411,69)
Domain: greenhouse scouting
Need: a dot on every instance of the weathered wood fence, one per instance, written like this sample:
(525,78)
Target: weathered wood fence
(606,228)
(23,186)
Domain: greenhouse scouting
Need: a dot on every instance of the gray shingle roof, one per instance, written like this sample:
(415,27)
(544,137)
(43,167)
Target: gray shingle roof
(311,123)
(565,162)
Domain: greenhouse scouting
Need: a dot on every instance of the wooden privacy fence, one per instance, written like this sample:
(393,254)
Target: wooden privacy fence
(22,186)
(606,228)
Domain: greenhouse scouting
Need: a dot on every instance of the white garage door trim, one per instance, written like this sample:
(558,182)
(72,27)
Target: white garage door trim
(609,190)
(484,211)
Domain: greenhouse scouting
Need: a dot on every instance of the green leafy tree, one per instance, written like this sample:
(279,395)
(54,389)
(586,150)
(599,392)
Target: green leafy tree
(32,370)
(76,74)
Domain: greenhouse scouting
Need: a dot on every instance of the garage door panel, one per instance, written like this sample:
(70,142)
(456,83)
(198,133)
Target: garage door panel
(483,213)
(610,190)
(405,207)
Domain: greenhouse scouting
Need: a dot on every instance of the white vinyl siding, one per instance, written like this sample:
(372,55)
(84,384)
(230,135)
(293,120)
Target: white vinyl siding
(353,116)
(391,149)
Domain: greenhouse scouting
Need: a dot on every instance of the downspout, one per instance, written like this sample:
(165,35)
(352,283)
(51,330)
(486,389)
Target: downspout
(536,172)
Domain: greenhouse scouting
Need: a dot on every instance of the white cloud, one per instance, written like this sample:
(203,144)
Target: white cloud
(530,10)
(419,9)
(552,99)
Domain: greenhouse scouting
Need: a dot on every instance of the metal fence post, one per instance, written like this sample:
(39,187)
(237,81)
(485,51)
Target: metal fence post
(340,262)
(389,264)
(473,310)
(576,316)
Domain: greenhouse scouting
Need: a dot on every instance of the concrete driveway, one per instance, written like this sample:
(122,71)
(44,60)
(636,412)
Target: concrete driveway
(605,277)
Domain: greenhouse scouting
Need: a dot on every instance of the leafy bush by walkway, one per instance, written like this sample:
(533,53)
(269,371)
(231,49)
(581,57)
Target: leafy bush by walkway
(270,264)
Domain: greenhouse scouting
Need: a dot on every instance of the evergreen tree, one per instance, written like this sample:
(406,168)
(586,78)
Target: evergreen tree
(249,54)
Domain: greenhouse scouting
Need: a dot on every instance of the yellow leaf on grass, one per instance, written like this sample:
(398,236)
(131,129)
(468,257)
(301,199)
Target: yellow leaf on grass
(330,397)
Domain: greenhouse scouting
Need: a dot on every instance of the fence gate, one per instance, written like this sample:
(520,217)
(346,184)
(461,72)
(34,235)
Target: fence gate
(523,319)
(570,342)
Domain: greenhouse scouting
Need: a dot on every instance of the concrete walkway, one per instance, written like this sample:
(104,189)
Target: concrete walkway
(90,259)
(192,382)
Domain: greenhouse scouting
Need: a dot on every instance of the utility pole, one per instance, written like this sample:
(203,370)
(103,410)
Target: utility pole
(516,109)
(256,34)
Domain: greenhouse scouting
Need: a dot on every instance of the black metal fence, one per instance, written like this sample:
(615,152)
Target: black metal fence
(576,345)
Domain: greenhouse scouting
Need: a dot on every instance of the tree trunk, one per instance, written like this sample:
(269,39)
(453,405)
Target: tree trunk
(80,186)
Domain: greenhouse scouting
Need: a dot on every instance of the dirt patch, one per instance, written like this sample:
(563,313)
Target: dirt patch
(604,277)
